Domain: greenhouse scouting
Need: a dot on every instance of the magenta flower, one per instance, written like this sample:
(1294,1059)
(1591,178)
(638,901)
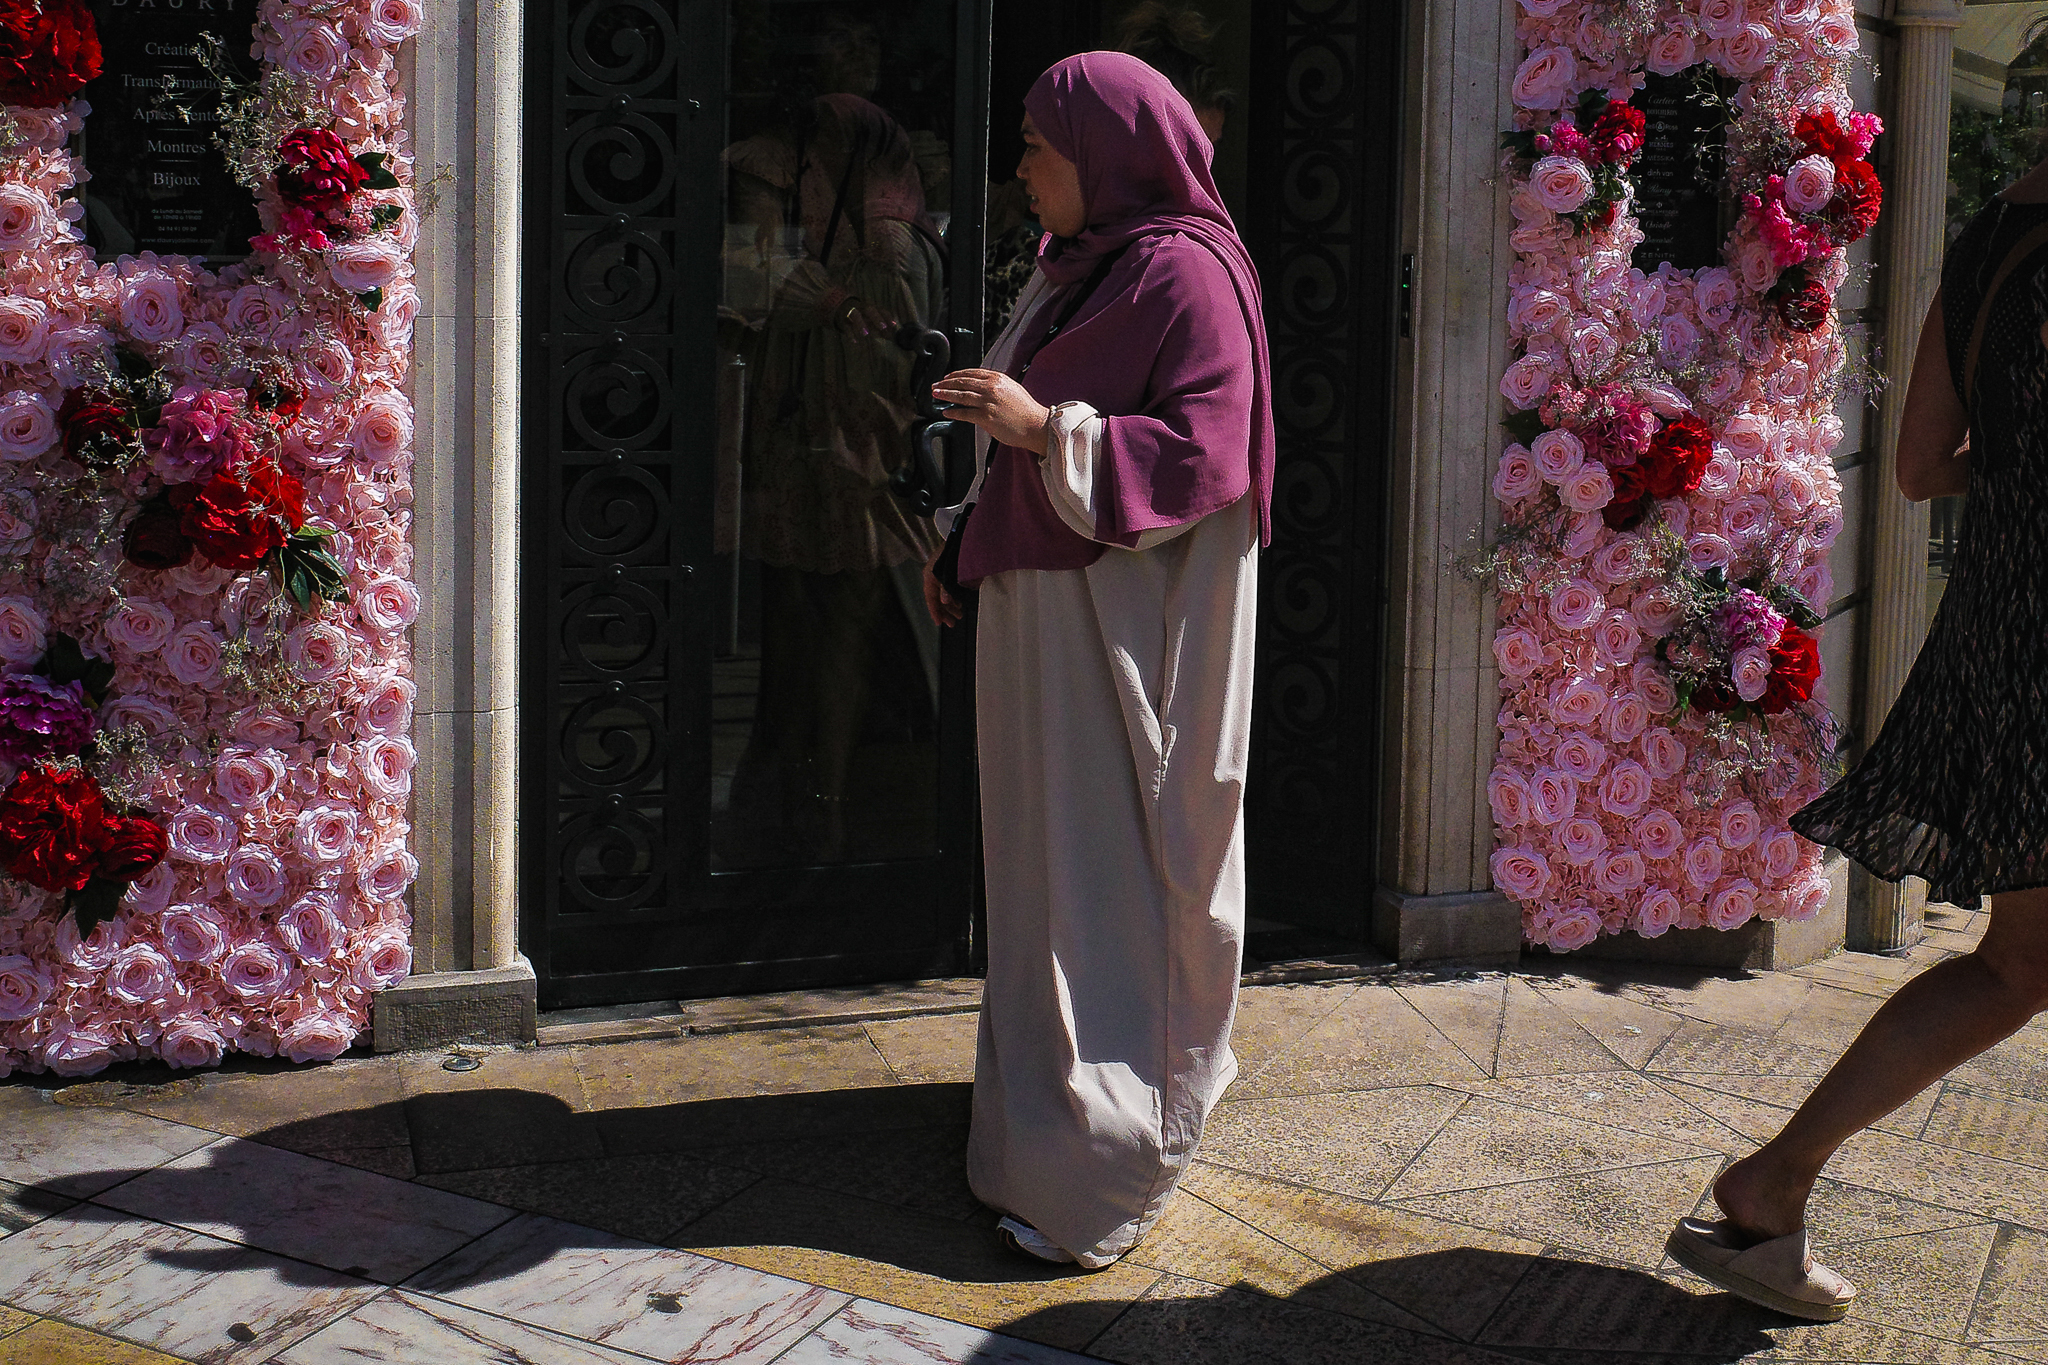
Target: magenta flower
(201,432)
(41,719)
(1746,621)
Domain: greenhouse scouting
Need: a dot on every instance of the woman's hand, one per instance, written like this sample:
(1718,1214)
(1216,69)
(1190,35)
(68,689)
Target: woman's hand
(996,403)
(860,319)
(940,603)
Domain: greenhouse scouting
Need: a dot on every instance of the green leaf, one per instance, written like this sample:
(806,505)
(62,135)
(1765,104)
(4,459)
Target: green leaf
(384,215)
(380,178)
(372,299)
(1524,427)
(99,902)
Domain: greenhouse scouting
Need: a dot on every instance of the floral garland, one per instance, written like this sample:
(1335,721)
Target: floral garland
(1669,496)
(205,569)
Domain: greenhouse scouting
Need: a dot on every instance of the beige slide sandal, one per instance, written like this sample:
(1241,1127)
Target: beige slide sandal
(1780,1273)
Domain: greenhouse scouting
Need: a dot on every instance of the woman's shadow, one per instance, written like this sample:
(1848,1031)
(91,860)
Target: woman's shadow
(819,1180)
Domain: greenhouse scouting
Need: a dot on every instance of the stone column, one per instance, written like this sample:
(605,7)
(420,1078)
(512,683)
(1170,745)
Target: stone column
(1916,201)
(1436,836)
(470,981)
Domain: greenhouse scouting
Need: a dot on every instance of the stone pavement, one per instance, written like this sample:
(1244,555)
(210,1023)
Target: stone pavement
(1478,1168)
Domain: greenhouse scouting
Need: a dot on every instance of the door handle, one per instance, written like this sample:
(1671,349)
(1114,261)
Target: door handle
(922,481)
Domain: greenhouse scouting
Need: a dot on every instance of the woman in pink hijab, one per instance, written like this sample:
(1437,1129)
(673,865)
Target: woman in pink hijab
(1127,471)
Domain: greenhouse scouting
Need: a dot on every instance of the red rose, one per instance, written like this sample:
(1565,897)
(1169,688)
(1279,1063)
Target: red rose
(1859,197)
(134,844)
(48,51)
(1714,695)
(1617,135)
(1807,308)
(53,828)
(155,541)
(1631,500)
(93,422)
(1678,457)
(317,171)
(1795,668)
(1819,131)
(243,514)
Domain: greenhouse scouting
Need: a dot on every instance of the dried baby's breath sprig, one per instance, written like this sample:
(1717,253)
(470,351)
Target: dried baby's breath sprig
(126,761)
(253,116)
(1525,555)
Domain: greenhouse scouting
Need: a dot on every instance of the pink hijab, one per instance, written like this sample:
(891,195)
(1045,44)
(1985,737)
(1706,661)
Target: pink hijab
(1171,348)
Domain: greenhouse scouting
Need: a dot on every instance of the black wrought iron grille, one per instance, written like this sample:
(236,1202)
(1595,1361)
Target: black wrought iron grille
(1326,112)
(620,414)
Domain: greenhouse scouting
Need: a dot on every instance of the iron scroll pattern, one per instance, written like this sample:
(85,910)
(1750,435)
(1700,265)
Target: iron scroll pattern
(616,399)
(1328,102)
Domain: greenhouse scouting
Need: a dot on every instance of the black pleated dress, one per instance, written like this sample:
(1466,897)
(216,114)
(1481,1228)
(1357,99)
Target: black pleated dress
(1955,789)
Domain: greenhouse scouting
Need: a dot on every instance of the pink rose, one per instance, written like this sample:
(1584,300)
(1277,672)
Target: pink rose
(1517,652)
(1658,613)
(1721,475)
(1573,929)
(201,834)
(1562,183)
(383,429)
(1508,794)
(1663,753)
(388,872)
(1722,19)
(1592,348)
(1517,476)
(140,975)
(1545,78)
(1677,341)
(141,626)
(366,263)
(1708,550)
(1628,715)
(1559,455)
(194,933)
(27,426)
(150,308)
(1527,381)
(1751,670)
(247,777)
(1553,796)
(1749,51)
(152,716)
(391,22)
(1626,789)
(261,728)
(1740,825)
(311,928)
(319,1037)
(190,1042)
(386,763)
(1581,840)
(1576,606)
(1520,872)
(26,218)
(388,605)
(150,893)
(1810,184)
(1532,308)
(1617,874)
(1808,900)
(25,985)
(1589,490)
(317,651)
(255,971)
(1672,51)
(1836,33)
(1656,913)
(382,960)
(325,833)
(1702,863)
(1748,434)
(1581,702)
(1658,834)
(78,1049)
(24,329)
(1733,906)
(1580,755)
(312,48)
(1781,857)
(1617,639)
(193,654)
(255,877)
(1621,560)
(1715,295)
(24,634)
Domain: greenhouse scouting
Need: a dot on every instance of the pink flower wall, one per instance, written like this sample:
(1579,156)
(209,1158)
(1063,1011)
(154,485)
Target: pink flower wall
(271,741)
(1659,716)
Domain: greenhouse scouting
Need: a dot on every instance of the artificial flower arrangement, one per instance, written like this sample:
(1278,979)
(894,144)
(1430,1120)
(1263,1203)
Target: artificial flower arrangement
(1668,489)
(205,568)
(1579,165)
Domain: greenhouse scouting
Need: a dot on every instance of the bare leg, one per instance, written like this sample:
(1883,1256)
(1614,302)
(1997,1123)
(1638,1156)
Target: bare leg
(1937,1021)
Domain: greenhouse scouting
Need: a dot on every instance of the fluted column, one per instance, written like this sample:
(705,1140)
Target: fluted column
(1916,201)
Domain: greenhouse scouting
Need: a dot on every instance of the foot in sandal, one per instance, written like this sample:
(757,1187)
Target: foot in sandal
(1777,1272)
(1020,1236)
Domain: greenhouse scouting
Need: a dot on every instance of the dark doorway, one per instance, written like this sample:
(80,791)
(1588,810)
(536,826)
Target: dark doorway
(747,753)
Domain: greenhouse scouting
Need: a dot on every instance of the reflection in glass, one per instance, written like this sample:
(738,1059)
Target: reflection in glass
(824,738)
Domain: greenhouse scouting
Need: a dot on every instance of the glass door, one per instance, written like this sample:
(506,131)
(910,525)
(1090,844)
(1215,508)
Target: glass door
(748,749)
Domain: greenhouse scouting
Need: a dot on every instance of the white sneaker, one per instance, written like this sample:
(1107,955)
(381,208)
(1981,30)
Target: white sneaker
(1021,1236)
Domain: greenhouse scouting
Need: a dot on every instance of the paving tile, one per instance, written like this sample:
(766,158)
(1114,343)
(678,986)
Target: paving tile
(21,1205)
(1629,1028)
(1372,1040)
(778,1061)
(942,1266)
(1466,1012)
(646,1197)
(1829,1019)
(1183,1320)
(831,1005)
(2017,1066)
(520,1106)
(1753,1119)
(937,1048)
(1737,1049)
(1195,1240)
(869,1333)
(918,1168)
(64,1150)
(1354,1143)
(1272,1019)
(1867,973)
(1923,1282)
(332,1215)
(1784,1094)
(408,1329)
(2013,1304)
(47,1342)
(2000,1190)
(670,1305)
(14,1319)
(1762,1000)
(1568,1304)
(1622,1215)
(1840,1213)
(1490,1143)
(1616,1099)
(348,1103)
(750,1120)
(1990,1124)
(1538,1039)
(1446,1274)
(395,1162)
(1858,1341)
(169,1289)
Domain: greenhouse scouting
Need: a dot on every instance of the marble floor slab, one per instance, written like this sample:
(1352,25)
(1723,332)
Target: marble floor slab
(78,1151)
(176,1291)
(868,1333)
(409,1329)
(365,1224)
